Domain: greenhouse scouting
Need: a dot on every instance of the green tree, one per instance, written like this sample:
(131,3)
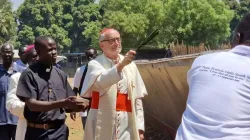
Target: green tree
(64,20)
(134,19)
(240,9)
(197,21)
(37,18)
(76,24)
(190,21)
(87,24)
(26,35)
(7,22)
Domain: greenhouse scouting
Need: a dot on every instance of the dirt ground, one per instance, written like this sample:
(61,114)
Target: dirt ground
(75,128)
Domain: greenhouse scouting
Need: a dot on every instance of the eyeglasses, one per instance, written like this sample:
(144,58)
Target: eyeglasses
(112,40)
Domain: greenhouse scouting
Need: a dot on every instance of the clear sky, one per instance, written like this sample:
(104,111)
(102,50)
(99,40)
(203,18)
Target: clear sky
(16,3)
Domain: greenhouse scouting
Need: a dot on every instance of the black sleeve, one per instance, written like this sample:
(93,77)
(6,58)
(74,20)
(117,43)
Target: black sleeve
(26,88)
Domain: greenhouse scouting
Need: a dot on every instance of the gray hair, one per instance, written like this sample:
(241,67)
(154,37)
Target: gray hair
(101,37)
(102,34)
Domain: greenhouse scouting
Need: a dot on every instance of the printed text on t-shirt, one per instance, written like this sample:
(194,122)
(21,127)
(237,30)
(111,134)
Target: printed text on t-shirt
(225,74)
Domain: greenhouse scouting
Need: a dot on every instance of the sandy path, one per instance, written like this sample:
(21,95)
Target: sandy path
(75,128)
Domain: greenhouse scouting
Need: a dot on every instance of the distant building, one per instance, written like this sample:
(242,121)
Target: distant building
(75,60)
(16,56)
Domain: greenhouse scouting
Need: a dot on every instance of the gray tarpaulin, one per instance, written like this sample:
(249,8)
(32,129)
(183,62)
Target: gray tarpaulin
(166,83)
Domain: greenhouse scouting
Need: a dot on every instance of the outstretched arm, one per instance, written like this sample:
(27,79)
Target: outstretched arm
(107,78)
(113,75)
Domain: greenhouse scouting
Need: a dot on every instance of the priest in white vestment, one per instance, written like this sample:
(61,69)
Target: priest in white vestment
(13,103)
(218,105)
(116,88)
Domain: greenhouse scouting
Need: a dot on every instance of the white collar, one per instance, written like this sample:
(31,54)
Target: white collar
(48,69)
(110,60)
(241,50)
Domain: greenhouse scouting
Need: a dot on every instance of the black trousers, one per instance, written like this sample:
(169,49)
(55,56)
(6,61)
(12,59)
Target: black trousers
(7,132)
(84,119)
(60,133)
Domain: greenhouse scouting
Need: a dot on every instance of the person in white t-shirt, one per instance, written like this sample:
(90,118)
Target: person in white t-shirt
(90,53)
(218,104)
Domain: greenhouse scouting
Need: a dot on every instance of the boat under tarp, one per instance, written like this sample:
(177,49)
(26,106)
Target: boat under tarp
(166,83)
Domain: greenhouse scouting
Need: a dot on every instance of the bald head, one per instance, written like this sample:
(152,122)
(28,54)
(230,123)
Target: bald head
(244,24)
(39,41)
(7,53)
(46,49)
(7,45)
(242,31)
(91,53)
(21,50)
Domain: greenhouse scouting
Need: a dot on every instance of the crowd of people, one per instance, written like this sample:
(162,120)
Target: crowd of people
(35,94)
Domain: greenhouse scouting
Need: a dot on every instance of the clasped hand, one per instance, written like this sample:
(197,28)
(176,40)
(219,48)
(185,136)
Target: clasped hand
(76,104)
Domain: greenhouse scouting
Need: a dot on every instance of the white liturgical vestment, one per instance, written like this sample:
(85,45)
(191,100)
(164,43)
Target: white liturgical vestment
(104,122)
(218,104)
(16,106)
